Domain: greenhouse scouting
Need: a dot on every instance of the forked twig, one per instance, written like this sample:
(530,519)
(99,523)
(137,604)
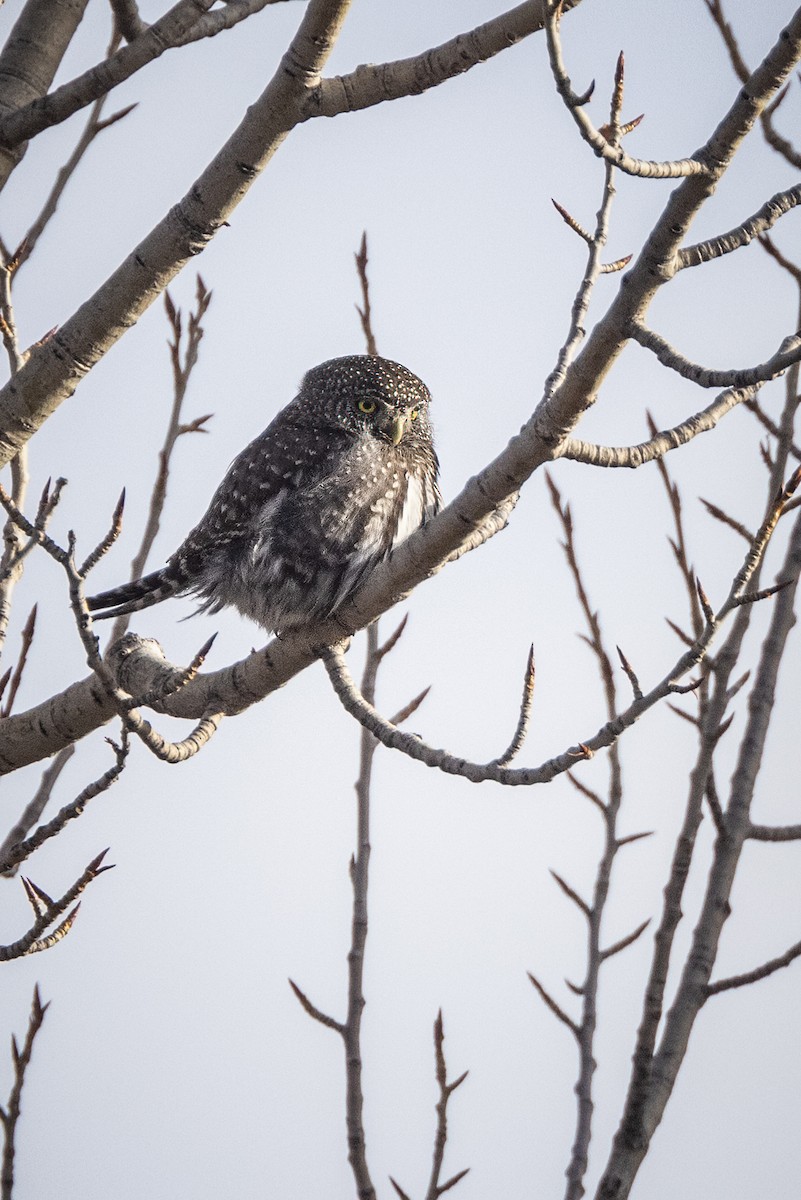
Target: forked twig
(9,1115)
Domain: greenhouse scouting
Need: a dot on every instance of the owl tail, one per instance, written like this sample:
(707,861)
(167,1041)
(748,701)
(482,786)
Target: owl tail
(132,597)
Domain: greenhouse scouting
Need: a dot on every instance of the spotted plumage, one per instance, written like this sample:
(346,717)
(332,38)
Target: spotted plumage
(339,478)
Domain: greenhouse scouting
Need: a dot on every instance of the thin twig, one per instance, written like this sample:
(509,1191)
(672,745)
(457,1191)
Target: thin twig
(34,808)
(183,360)
(95,125)
(435,1188)
(524,719)
(749,977)
(26,638)
(755,226)
(14,849)
(604,148)
(9,1116)
(48,911)
(365,313)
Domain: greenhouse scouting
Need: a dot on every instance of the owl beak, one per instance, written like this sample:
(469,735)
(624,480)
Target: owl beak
(393,425)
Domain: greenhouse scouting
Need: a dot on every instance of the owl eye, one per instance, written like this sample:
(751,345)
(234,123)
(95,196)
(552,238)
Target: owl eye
(414,414)
(367,406)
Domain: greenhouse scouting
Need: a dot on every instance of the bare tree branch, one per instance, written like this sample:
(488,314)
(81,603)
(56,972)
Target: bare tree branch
(524,720)
(14,849)
(788,354)
(774,833)
(9,1116)
(44,112)
(435,1188)
(33,809)
(600,144)
(550,1003)
(376,83)
(182,369)
(28,61)
(772,136)
(755,226)
(749,977)
(49,911)
(661,443)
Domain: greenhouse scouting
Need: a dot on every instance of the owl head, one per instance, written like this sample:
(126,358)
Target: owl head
(370,396)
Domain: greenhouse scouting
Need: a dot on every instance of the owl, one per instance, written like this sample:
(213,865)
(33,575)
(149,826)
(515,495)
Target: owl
(339,478)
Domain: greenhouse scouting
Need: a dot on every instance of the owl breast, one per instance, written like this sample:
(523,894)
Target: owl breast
(314,542)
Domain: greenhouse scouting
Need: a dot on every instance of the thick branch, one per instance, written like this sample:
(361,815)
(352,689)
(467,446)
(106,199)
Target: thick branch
(374,83)
(30,58)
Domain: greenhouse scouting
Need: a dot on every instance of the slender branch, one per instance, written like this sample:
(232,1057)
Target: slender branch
(127,19)
(611,153)
(774,833)
(12,561)
(770,247)
(364,712)
(656,1068)
(754,226)
(726,519)
(610,810)
(365,313)
(661,443)
(207,25)
(94,126)
(555,1008)
(435,1187)
(788,354)
(9,1116)
(768,968)
(48,911)
(33,809)
(595,246)
(14,849)
(377,83)
(26,638)
(225,17)
(182,368)
(314,1012)
(360,874)
(350,1029)
(99,80)
(630,938)
(524,719)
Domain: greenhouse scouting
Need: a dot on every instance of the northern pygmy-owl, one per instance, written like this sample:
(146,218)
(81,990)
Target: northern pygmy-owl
(341,476)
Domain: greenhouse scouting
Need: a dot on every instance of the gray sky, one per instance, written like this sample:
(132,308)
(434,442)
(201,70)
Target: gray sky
(174,1059)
